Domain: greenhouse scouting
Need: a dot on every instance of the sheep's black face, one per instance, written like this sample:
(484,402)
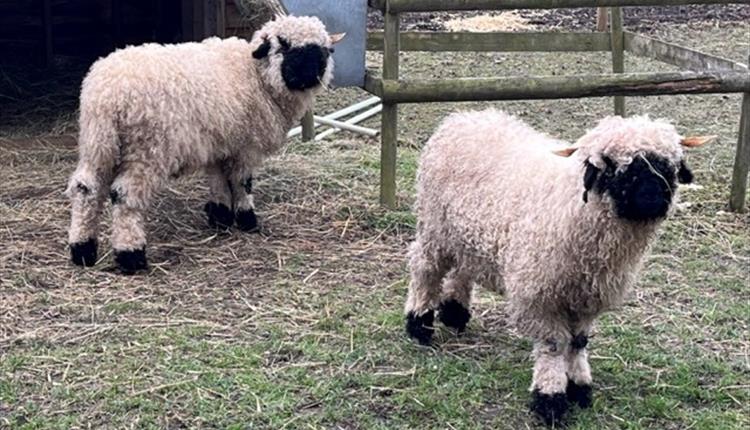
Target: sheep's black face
(643,191)
(304,67)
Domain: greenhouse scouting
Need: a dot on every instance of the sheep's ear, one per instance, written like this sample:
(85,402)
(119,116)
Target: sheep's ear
(684,175)
(565,152)
(696,141)
(336,38)
(263,50)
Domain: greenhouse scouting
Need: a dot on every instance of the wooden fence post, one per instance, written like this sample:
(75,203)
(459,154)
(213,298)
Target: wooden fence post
(308,126)
(601,19)
(741,160)
(618,52)
(389,119)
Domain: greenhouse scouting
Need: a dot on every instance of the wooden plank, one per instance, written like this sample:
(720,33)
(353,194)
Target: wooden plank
(199,31)
(601,19)
(738,192)
(373,84)
(618,52)
(455,5)
(186,9)
(563,87)
(210,20)
(47,24)
(221,18)
(496,42)
(389,116)
(677,55)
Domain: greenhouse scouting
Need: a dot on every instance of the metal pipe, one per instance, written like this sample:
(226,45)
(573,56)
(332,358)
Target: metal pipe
(353,120)
(345,126)
(341,113)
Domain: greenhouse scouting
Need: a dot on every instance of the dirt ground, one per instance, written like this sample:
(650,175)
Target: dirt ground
(301,326)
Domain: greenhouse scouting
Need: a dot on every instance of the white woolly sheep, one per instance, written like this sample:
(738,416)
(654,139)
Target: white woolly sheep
(152,112)
(561,236)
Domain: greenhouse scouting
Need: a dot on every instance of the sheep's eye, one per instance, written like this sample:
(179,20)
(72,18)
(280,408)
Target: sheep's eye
(331,50)
(285,45)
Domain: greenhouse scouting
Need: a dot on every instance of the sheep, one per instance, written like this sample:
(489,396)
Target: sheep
(560,230)
(154,112)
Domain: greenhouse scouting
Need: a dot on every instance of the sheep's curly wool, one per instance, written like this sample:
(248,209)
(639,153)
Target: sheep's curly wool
(495,206)
(493,197)
(152,112)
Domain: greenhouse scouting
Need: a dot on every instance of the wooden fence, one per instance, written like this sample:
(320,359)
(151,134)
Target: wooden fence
(706,73)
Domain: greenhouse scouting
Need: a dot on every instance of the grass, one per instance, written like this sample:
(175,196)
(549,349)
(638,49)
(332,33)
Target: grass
(301,326)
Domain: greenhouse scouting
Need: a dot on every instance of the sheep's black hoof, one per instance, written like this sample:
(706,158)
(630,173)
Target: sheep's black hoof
(130,262)
(247,221)
(579,394)
(420,327)
(551,408)
(219,215)
(83,253)
(454,314)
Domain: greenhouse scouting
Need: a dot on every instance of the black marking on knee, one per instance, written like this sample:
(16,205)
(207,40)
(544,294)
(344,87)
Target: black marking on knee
(454,314)
(83,253)
(83,189)
(551,408)
(421,327)
(247,221)
(219,215)
(579,394)
(248,185)
(131,261)
(579,341)
(115,196)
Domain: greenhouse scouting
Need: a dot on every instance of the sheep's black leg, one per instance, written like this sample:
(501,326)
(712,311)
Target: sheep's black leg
(84,253)
(131,194)
(219,207)
(456,298)
(427,267)
(420,328)
(549,401)
(87,193)
(579,389)
(454,314)
(245,205)
(131,261)
(579,394)
(550,408)
(219,215)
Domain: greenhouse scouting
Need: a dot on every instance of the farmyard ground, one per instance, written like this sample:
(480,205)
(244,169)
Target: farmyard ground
(301,326)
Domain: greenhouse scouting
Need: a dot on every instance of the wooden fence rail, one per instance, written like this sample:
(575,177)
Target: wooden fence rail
(397,6)
(558,87)
(710,73)
(495,42)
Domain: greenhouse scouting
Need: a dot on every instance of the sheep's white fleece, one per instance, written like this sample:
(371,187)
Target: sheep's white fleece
(494,200)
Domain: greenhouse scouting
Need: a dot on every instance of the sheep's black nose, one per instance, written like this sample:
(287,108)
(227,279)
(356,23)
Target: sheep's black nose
(650,199)
(643,192)
(303,67)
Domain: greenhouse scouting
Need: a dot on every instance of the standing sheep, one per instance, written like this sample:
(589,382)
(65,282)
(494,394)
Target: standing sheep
(561,232)
(153,112)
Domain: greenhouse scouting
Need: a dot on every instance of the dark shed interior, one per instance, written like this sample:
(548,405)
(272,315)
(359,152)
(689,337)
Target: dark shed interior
(46,46)
(42,30)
